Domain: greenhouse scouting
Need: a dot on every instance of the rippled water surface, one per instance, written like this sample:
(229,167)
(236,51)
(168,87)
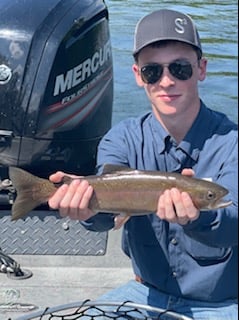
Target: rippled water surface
(217,22)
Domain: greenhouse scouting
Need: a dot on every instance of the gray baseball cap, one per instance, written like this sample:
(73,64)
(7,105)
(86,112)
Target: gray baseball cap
(165,24)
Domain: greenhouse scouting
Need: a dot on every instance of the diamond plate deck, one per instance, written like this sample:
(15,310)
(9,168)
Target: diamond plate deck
(45,233)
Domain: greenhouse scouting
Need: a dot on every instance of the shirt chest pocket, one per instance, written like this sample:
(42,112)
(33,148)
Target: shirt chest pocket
(203,252)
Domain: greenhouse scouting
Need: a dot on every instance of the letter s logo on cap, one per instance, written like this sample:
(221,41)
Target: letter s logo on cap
(179,23)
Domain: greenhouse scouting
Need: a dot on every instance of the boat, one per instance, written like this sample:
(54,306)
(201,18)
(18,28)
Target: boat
(56,97)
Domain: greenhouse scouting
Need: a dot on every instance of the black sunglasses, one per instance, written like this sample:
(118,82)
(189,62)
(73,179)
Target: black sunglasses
(180,69)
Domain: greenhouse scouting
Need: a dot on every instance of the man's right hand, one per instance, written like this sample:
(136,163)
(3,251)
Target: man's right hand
(72,200)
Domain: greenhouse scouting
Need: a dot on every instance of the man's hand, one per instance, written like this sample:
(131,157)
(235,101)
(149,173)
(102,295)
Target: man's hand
(177,207)
(72,200)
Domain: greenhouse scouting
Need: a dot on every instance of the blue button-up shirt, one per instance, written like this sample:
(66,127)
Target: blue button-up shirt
(197,260)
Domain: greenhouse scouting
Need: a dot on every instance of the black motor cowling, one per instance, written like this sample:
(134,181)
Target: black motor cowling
(56,84)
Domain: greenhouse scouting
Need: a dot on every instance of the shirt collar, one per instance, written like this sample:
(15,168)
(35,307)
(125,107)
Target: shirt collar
(159,133)
(194,139)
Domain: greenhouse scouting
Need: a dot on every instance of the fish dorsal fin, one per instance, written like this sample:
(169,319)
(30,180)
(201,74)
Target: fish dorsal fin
(112,168)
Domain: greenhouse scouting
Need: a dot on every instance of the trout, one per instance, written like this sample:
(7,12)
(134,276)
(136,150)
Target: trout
(118,190)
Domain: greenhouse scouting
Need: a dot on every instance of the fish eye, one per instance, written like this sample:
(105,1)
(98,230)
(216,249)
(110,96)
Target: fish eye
(210,195)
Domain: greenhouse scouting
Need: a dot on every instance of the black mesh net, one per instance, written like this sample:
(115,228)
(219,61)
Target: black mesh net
(89,310)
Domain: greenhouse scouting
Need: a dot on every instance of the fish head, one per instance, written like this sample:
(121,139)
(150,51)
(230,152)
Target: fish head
(209,196)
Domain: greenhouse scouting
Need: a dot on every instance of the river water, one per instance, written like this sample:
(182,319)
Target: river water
(217,23)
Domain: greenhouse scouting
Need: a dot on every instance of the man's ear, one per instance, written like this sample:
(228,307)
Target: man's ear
(138,79)
(202,69)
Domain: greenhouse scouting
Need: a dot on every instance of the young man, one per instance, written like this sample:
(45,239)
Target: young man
(184,260)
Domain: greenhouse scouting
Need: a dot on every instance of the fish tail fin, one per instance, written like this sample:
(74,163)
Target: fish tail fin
(28,188)
(22,205)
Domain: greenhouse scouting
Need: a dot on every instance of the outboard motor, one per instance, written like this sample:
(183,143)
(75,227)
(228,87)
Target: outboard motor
(56,84)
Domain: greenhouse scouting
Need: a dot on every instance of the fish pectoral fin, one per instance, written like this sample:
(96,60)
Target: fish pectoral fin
(120,220)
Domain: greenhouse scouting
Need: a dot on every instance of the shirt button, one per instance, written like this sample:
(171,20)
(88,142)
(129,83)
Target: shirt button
(174,274)
(174,241)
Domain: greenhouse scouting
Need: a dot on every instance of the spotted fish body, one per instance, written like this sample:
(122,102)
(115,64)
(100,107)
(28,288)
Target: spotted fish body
(118,190)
